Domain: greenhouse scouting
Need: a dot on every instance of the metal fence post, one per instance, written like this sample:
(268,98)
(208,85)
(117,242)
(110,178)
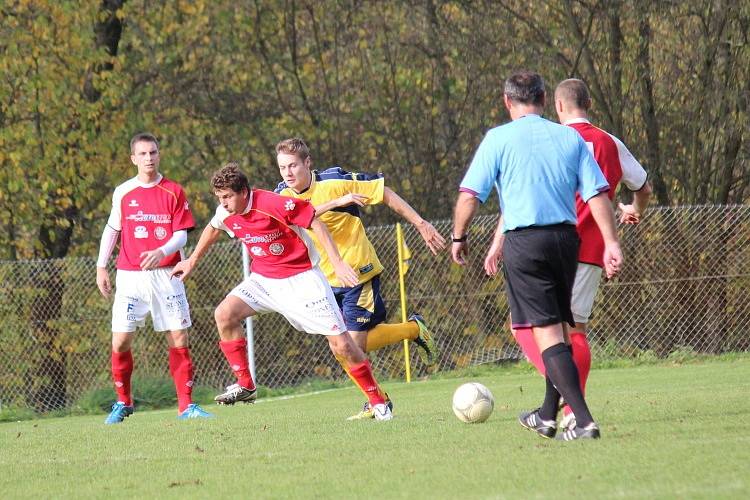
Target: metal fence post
(249,320)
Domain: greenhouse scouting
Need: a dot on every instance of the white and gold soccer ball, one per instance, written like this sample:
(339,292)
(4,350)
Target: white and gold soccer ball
(473,403)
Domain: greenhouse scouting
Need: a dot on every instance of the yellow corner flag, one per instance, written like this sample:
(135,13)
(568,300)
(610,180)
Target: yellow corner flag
(405,257)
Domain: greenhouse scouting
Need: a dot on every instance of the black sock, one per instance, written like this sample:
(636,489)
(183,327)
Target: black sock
(561,370)
(549,408)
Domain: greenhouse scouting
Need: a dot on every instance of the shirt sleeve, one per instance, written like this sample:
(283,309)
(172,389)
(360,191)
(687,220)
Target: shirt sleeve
(633,174)
(175,243)
(217,221)
(591,180)
(182,218)
(482,175)
(366,184)
(370,185)
(295,211)
(115,215)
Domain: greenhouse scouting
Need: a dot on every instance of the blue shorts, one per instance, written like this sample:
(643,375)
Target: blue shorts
(362,306)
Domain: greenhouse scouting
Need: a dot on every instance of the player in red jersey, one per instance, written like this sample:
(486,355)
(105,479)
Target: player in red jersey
(285,278)
(572,102)
(150,216)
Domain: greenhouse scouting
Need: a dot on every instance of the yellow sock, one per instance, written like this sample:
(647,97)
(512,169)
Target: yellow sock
(386,334)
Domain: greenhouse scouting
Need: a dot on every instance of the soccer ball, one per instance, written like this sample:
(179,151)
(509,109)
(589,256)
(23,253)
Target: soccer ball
(473,403)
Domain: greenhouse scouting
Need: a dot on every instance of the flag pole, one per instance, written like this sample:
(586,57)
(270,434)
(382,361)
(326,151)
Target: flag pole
(249,319)
(402,290)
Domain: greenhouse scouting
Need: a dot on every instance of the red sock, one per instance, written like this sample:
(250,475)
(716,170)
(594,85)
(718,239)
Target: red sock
(579,346)
(525,338)
(236,353)
(181,368)
(362,375)
(122,370)
(582,356)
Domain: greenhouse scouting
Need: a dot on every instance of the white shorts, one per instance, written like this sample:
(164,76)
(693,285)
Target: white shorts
(584,291)
(139,292)
(305,300)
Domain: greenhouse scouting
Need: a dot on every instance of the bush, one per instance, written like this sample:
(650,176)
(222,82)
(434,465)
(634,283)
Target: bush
(14,413)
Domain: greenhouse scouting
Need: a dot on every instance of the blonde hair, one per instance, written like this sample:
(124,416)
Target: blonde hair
(293,146)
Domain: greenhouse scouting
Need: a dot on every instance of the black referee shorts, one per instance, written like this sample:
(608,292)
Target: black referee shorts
(539,264)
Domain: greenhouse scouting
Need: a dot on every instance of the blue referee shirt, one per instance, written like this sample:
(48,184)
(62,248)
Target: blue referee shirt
(536,166)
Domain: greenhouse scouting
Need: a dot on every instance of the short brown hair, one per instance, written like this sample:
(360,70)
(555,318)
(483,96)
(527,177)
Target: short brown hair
(293,146)
(230,177)
(142,137)
(574,92)
(526,87)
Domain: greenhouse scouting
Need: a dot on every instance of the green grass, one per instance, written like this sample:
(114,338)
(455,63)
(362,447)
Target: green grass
(669,431)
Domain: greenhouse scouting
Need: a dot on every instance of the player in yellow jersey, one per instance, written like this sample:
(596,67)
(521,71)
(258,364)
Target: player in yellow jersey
(337,195)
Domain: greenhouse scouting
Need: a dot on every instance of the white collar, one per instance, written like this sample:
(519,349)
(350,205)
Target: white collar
(576,120)
(249,202)
(159,177)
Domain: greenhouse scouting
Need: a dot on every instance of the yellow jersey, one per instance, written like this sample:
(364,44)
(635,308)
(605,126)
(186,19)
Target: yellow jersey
(344,223)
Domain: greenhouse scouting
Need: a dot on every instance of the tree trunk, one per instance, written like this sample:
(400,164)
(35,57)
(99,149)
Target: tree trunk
(648,109)
(55,235)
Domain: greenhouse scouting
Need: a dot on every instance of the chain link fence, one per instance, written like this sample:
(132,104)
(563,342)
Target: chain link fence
(686,285)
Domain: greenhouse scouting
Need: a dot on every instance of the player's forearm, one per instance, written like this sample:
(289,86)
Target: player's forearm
(497,239)
(326,240)
(401,207)
(466,207)
(107,244)
(601,209)
(324,207)
(209,236)
(175,243)
(641,198)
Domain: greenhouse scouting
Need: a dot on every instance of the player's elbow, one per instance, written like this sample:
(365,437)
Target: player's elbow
(646,189)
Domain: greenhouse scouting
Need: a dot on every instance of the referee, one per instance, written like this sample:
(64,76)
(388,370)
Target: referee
(537,167)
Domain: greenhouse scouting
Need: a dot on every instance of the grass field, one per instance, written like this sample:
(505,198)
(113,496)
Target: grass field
(668,431)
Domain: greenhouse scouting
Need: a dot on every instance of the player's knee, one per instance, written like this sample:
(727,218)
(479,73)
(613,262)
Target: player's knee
(178,338)
(121,343)
(346,349)
(223,317)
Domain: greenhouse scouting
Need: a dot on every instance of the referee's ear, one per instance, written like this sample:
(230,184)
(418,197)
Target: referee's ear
(508,103)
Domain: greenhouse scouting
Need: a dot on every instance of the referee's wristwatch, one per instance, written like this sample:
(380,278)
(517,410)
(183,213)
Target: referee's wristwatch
(462,239)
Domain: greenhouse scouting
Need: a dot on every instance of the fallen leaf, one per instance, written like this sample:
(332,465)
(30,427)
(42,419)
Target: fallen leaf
(196,482)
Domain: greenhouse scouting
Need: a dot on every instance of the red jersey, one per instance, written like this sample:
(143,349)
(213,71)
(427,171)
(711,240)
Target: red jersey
(147,215)
(270,228)
(617,164)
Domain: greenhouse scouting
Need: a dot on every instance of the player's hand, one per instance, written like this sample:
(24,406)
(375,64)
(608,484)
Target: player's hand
(494,256)
(151,258)
(612,259)
(434,240)
(459,252)
(628,214)
(351,199)
(103,282)
(346,275)
(182,269)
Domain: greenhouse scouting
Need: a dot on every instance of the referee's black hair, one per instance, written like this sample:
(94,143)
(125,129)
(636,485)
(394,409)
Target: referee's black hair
(526,87)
